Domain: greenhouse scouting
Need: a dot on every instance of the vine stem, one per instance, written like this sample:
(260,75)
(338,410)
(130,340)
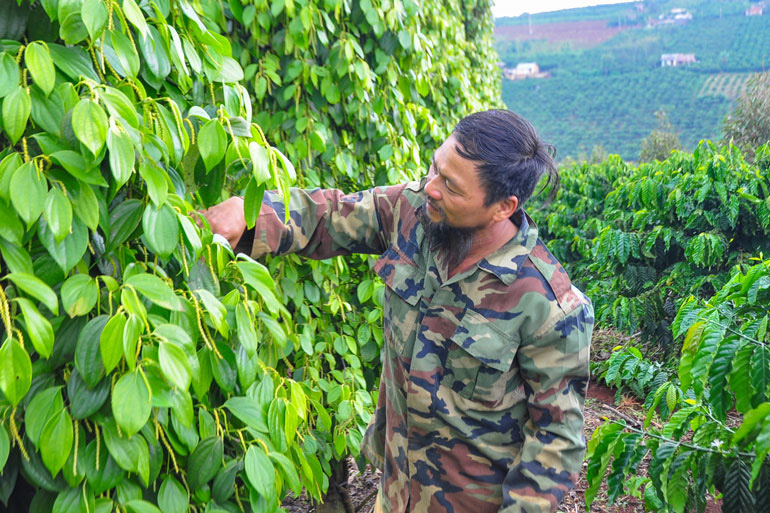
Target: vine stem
(98,444)
(238,498)
(678,442)
(75,452)
(738,333)
(620,414)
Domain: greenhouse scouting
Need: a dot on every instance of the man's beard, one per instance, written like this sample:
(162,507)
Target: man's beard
(452,242)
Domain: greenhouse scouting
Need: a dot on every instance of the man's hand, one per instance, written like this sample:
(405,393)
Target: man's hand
(227,219)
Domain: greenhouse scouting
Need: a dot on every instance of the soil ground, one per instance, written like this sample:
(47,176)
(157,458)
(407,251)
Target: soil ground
(600,405)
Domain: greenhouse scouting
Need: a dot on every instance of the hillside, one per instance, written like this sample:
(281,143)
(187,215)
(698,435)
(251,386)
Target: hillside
(605,81)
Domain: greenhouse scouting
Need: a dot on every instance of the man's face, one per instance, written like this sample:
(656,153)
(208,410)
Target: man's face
(455,210)
(454,191)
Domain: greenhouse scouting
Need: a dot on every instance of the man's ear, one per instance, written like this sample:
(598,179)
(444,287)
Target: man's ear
(506,208)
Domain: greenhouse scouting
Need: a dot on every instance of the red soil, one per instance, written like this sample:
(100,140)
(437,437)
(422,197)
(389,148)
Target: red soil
(583,34)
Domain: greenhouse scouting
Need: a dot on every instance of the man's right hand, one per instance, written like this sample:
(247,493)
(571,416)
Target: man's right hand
(227,219)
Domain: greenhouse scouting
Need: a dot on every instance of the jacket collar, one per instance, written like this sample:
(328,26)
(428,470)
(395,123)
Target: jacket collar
(506,262)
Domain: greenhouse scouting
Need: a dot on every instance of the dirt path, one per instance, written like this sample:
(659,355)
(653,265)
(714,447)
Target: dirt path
(600,405)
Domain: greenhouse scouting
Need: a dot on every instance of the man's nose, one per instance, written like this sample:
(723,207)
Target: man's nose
(431,188)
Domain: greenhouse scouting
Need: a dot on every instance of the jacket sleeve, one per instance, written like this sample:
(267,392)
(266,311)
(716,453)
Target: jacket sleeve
(323,223)
(554,364)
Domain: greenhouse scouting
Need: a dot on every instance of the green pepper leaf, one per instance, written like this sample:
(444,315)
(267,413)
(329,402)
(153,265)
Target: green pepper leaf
(15,371)
(86,205)
(124,219)
(134,15)
(131,404)
(155,178)
(125,52)
(9,74)
(94,14)
(204,462)
(38,328)
(28,192)
(87,358)
(252,201)
(40,66)
(260,162)
(141,506)
(10,225)
(212,143)
(58,213)
(260,471)
(85,401)
(130,453)
(174,365)
(156,290)
(73,61)
(68,252)
(36,288)
(41,408)
(247,335)
(247,410)
(111,342)
(79,294)
(89,122)
(215,308)
(172,497)
(77,166)
(122,155)
(161,229)
(56,441)
(17,106)
(5,446)
(119,105)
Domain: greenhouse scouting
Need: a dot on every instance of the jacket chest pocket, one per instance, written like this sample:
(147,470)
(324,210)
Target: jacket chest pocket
(479,364)
(405,283)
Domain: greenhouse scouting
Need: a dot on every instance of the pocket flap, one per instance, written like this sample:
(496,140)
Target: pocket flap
(479,336)
(401,275)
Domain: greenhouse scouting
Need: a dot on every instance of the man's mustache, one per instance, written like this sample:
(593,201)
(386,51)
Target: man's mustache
(435,207)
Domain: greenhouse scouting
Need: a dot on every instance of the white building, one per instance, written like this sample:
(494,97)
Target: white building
(677,59)
(523,70)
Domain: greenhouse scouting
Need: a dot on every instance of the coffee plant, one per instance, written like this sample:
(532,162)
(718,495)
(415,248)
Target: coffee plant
(714,422)
(628,370)
(639,240)
(145,365)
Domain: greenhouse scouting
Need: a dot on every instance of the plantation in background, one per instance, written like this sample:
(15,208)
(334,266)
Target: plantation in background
(617,111)
(606,94)
(143,365)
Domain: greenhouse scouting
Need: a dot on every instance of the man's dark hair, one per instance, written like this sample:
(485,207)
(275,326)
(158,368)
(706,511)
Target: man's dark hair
(512,157)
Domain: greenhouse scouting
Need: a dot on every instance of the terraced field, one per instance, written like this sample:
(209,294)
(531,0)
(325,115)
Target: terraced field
(729,85)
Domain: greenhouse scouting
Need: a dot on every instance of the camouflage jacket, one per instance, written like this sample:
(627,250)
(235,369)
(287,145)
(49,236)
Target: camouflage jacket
(484,374)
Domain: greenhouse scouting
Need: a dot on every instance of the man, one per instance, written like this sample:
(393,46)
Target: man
(485,364)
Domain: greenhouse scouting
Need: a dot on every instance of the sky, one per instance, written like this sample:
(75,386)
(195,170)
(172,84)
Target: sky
(516,7)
